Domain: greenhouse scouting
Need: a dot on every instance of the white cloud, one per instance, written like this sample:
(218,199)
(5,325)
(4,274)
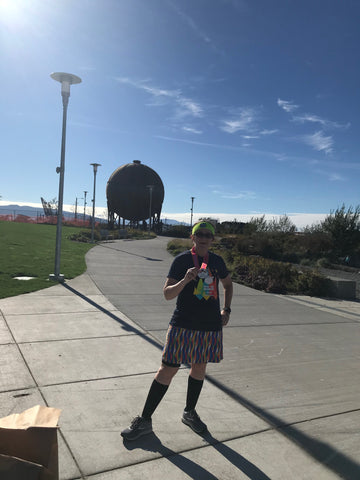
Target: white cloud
(308,117)
(143,85)
(195,28)
(335,177)
(186,106)
(319,142)
(243,120)
(286,105)
(183,106)
(192,130)
(158,92)
(268,132)
(244,195)
(331,176)
(190,23)
(240,196)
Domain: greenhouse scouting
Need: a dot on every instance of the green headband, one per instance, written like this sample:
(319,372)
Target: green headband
(205,225)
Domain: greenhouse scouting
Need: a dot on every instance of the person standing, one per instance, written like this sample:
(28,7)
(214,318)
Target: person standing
(194,335)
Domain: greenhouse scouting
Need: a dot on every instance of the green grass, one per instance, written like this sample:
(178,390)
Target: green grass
(29,250)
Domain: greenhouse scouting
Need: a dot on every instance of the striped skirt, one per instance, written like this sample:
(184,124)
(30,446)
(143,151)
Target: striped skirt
(192,346)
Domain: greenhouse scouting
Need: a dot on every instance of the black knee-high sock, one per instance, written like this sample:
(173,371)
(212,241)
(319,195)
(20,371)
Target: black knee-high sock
(193,393)
(155,395)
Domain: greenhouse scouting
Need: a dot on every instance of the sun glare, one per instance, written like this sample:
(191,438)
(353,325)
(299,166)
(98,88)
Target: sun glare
(18,15)
(9,7)
(12,12)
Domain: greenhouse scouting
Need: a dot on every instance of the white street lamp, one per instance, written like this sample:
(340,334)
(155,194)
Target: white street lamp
(95,166)
(76,205)
(150,187)
(66,79)
(85,193)
(192,209)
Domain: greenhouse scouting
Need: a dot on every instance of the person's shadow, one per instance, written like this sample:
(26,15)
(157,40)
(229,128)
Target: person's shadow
(240,462)
(152,443)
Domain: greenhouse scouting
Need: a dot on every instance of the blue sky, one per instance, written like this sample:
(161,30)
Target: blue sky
(252,107)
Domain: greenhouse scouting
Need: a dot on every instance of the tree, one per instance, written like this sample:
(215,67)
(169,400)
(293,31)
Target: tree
(230,227)
(256,225)
(281,225)
(343,226)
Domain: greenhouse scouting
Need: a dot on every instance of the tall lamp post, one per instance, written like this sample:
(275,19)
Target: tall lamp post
(95,167)
(66,79)
(150,187)
(192,209)
(85,193)
(76,205)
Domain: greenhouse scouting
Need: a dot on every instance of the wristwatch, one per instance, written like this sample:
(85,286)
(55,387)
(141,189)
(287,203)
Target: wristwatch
(227,310)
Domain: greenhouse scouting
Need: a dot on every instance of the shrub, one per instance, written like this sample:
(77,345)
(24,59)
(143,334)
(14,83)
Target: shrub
(177,231)
(323,263)
(179,245)
(313,284)
(84,236)
(277,277)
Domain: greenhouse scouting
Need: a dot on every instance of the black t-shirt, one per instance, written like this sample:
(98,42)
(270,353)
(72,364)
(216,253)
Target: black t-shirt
(197,305)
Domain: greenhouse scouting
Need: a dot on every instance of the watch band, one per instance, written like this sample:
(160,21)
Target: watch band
(227,310)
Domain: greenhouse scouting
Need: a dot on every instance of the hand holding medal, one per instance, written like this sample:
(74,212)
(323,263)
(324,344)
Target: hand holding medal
(191,274)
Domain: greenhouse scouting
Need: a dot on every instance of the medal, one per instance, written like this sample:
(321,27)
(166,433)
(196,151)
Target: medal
(196,261)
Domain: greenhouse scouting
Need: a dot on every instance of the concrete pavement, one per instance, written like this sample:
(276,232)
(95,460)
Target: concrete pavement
(283,404)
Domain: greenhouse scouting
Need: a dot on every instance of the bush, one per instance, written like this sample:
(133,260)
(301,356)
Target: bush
(277,277)
(313,284)
(263,274)
(136,233)
(323,263)
(177,231)
(84,236)
(177,246)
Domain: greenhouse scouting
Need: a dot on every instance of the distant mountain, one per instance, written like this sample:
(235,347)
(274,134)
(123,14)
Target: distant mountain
(38,211)
(170,221)
(28,211)
(19,210)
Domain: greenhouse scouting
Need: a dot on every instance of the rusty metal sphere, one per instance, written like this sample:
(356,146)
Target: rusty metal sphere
(128,192)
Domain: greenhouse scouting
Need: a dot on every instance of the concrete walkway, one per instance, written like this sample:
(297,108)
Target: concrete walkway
(284,404)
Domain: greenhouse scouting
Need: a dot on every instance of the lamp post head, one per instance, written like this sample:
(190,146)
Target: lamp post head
(66,79)
(95,166)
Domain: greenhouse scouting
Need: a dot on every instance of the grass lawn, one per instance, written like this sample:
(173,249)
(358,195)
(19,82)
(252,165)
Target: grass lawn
(29,250)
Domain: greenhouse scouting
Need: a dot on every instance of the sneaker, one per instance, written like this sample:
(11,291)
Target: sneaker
(192,420)
(139,426)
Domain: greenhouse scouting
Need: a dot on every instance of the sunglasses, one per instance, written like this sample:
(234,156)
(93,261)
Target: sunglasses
(203,235)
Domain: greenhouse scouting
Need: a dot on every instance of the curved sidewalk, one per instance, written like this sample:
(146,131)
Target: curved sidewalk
(284,403)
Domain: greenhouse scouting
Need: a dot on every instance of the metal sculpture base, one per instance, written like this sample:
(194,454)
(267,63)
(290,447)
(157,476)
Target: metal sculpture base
(57,278)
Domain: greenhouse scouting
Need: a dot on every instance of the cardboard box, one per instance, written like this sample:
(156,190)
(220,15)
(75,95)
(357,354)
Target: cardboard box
(28,445)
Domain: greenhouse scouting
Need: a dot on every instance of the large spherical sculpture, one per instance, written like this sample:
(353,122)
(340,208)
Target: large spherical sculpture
(132,191)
